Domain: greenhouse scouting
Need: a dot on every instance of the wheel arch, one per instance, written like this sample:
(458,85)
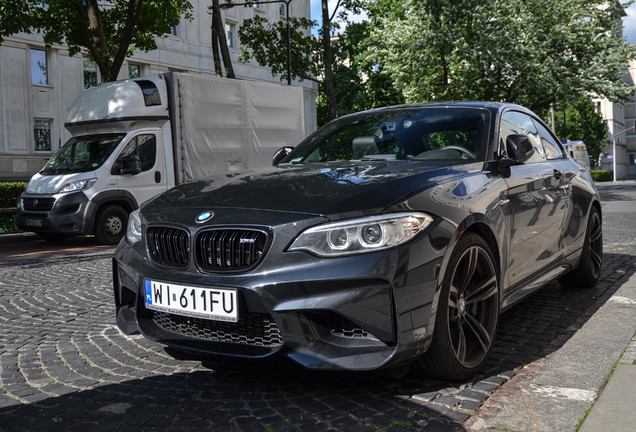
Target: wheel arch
(119,197)
(484,231)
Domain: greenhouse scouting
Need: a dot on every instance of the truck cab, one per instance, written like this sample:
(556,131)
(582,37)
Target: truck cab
(115,160)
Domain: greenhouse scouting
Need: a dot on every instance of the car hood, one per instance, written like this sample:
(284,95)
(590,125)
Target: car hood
(318,189)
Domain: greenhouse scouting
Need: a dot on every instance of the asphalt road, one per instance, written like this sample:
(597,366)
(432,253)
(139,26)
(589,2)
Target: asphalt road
(619,208)
(65,366)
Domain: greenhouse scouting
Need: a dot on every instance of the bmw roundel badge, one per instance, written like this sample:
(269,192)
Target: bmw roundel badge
(204,217)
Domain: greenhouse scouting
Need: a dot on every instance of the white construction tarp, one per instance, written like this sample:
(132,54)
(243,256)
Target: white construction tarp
(226,125)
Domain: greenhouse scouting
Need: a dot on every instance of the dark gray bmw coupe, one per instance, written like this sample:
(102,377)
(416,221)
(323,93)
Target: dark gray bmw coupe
(388,236)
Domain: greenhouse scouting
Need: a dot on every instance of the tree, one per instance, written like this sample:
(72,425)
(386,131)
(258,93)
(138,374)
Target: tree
(358,84)
(532,52)
(220,42)
(582,122)
(311,58)
(109,30)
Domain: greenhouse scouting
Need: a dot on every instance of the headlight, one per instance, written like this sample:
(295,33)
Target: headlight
(361,235)
(77,185)
(133,232)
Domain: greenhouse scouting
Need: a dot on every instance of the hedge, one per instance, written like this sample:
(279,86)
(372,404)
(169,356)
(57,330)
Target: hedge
(9,193)
(602,175)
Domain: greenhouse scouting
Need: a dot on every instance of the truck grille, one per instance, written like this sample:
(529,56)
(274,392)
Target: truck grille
(229,249)
(38,204)
(252,329)
(169,247)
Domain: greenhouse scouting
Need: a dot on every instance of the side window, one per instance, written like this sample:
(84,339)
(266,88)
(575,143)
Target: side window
(553,149)
(145,146)
(514,122)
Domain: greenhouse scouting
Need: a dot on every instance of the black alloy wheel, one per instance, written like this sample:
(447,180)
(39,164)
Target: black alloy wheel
(591,262)
(467,314)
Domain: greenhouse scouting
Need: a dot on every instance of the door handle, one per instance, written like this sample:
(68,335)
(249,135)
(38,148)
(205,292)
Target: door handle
(558,174)
(157,176)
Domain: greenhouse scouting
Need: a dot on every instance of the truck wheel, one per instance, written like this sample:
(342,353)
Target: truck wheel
(110,225)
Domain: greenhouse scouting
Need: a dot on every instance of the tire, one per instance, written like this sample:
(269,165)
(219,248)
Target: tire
(467,313)
(590,265)
(110,224)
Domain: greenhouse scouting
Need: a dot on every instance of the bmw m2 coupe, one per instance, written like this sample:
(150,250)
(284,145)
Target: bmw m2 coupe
(390,236)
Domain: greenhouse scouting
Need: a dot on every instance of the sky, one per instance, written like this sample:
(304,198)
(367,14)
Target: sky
(629,22)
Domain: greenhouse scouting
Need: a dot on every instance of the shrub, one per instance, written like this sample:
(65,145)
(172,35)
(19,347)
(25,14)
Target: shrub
(602,175)
(9,193)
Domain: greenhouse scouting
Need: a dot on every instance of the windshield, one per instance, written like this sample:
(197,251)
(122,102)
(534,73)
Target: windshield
(444,135)
(82,154)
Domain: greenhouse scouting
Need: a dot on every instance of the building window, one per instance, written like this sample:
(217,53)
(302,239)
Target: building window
(282,9)
(134,70)
(174,30)
(39,67)
(90,73)
(631,159)
(230,32)
(42,133)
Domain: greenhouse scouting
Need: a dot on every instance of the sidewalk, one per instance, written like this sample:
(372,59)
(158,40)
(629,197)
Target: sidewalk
(569,389)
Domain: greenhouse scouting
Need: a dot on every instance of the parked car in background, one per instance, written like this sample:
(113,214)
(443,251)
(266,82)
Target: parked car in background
(396,235)
(577,150)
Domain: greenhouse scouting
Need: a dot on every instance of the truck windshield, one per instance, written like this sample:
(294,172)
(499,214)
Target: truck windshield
(82,154)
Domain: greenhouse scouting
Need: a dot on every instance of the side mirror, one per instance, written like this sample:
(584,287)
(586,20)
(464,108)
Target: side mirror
(519,149)
(280,154)
(127,165)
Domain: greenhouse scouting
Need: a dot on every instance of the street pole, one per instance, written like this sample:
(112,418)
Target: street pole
(614,151)
(287,2)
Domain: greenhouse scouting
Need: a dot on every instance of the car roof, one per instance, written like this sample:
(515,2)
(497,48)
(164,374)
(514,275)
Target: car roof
(490,106)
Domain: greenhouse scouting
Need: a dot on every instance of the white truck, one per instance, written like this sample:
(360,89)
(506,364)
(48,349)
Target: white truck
(131,140)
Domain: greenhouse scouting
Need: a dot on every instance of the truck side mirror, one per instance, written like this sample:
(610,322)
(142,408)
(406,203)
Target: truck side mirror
(280,154)
(127,165)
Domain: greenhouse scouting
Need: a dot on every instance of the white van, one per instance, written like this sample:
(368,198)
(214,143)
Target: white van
(577,150)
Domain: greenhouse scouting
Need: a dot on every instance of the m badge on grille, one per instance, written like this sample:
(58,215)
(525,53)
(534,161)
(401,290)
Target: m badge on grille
(204,217)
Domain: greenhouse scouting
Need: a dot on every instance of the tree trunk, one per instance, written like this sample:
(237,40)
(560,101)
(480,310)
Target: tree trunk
(218,69)
(217,27)
(327,83)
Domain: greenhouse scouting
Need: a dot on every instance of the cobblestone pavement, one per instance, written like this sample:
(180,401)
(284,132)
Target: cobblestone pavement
(65,366)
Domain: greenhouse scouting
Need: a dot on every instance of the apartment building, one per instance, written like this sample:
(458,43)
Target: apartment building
(620,154)
(38,84)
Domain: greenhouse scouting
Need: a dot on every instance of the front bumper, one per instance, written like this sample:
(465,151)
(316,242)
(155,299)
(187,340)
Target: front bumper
(58,213)
(357,313)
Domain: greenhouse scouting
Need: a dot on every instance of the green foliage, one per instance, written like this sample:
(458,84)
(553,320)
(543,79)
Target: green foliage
(266,42)
(9,193)
(109,29)
(602,175)
(582,122)
(532,52)
(14,17)
(358,85)
(7,224)
(311,58)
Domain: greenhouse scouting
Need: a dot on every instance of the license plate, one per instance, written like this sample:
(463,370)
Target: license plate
(33,222)
(210,303)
